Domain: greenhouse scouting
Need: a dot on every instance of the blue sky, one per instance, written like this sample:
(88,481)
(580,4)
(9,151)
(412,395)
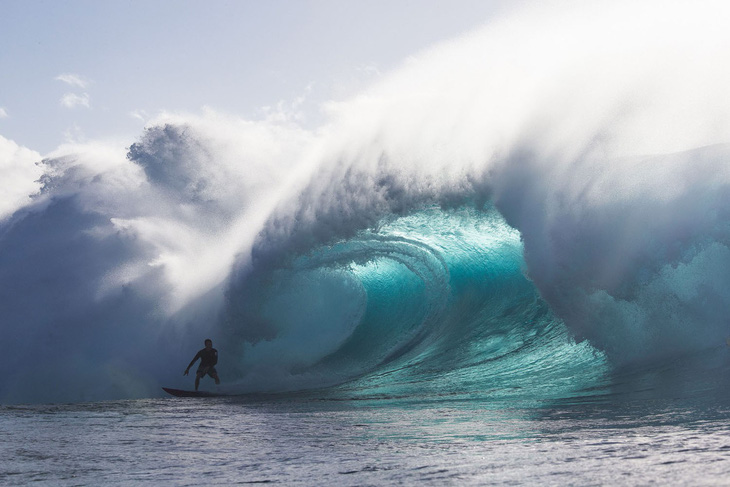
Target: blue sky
(86,69)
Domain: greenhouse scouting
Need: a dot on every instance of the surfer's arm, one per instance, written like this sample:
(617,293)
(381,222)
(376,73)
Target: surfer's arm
(197,356)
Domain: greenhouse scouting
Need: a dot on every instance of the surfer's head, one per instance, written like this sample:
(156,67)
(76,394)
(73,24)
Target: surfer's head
(208,343)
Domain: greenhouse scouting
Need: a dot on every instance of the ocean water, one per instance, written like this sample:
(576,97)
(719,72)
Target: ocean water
(298,440)
(507,262)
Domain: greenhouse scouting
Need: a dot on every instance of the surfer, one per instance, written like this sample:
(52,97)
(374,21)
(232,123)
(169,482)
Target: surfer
(208,358)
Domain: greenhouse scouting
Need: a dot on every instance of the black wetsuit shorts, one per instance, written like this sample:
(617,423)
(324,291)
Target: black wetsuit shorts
(206,369)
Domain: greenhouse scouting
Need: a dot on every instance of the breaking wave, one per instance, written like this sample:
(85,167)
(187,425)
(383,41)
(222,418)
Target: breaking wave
(522,212)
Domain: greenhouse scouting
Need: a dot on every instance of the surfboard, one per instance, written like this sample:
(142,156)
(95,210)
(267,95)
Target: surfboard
(182,393)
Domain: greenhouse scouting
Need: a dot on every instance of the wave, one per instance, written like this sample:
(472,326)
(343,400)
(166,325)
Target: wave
(518,213)
(445,310)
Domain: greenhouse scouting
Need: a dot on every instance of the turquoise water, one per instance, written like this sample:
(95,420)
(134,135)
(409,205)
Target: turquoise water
(435,304)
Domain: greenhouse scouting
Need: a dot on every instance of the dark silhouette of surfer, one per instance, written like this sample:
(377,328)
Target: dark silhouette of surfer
(208,358)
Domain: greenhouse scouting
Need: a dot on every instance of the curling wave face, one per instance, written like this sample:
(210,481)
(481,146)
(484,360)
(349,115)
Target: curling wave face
(436,306)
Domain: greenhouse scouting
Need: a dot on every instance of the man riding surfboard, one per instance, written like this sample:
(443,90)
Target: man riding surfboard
(208,358)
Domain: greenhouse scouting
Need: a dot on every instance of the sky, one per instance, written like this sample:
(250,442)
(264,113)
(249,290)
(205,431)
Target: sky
(84,69)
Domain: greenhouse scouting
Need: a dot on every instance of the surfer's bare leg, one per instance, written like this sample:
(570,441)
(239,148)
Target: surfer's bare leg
(199,375)
(217,380)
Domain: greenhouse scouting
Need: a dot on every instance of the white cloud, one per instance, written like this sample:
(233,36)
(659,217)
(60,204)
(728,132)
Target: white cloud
(74,135)
(3,113)
(73,100)
(140,115)
(369,70)
(20,175)
(73,80)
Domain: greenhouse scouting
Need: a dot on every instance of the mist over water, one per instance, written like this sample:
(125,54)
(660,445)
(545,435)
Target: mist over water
(517,213)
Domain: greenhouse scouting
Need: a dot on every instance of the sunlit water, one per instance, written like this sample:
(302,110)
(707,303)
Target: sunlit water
(305,441)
